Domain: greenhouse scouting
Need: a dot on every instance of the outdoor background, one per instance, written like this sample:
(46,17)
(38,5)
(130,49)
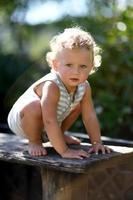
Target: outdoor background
(26,27)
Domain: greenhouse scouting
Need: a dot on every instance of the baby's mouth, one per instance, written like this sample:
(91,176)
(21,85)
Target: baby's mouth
(74,79)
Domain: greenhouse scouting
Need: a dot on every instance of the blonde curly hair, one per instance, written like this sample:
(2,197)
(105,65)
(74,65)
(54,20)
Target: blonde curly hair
(74,38)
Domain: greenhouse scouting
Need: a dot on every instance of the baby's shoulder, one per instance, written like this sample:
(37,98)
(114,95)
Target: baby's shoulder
(85,85)
(47,79)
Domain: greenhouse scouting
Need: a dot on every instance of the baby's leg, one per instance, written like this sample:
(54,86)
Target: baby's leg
(32,124)
(68,122)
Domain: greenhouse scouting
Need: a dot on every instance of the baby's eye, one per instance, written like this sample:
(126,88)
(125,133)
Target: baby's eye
(68,65)
(83,66)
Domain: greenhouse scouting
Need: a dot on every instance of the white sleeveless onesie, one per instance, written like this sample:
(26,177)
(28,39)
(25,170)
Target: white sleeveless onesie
(66,104)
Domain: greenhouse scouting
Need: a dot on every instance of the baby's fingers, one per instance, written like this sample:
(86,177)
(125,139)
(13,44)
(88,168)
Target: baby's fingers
(100,148)
(84,154)
(105,149)
(91,150)
(79,157)
(108,150)
(79,154)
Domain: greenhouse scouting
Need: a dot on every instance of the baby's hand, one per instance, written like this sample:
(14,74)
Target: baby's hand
(98,147)
(72,153)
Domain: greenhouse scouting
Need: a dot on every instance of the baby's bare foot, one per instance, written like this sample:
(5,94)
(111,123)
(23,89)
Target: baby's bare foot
(36,150)
(71,140)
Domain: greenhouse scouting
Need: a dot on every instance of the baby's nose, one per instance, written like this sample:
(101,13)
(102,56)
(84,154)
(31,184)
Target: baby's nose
(76,70)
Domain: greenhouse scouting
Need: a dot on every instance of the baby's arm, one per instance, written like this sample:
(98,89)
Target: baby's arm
(49,102)
(91,122)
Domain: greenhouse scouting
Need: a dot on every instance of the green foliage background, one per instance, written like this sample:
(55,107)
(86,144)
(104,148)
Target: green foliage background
(22,61)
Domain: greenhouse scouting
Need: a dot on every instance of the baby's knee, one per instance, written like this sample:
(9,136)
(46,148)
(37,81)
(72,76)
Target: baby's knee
(33,109)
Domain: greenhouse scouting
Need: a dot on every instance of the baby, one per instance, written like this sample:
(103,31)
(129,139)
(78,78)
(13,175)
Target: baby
(52,104)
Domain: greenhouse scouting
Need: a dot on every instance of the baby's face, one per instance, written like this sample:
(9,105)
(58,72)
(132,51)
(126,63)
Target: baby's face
(73,66)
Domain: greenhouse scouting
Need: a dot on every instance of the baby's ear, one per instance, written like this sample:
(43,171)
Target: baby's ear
(54,64)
